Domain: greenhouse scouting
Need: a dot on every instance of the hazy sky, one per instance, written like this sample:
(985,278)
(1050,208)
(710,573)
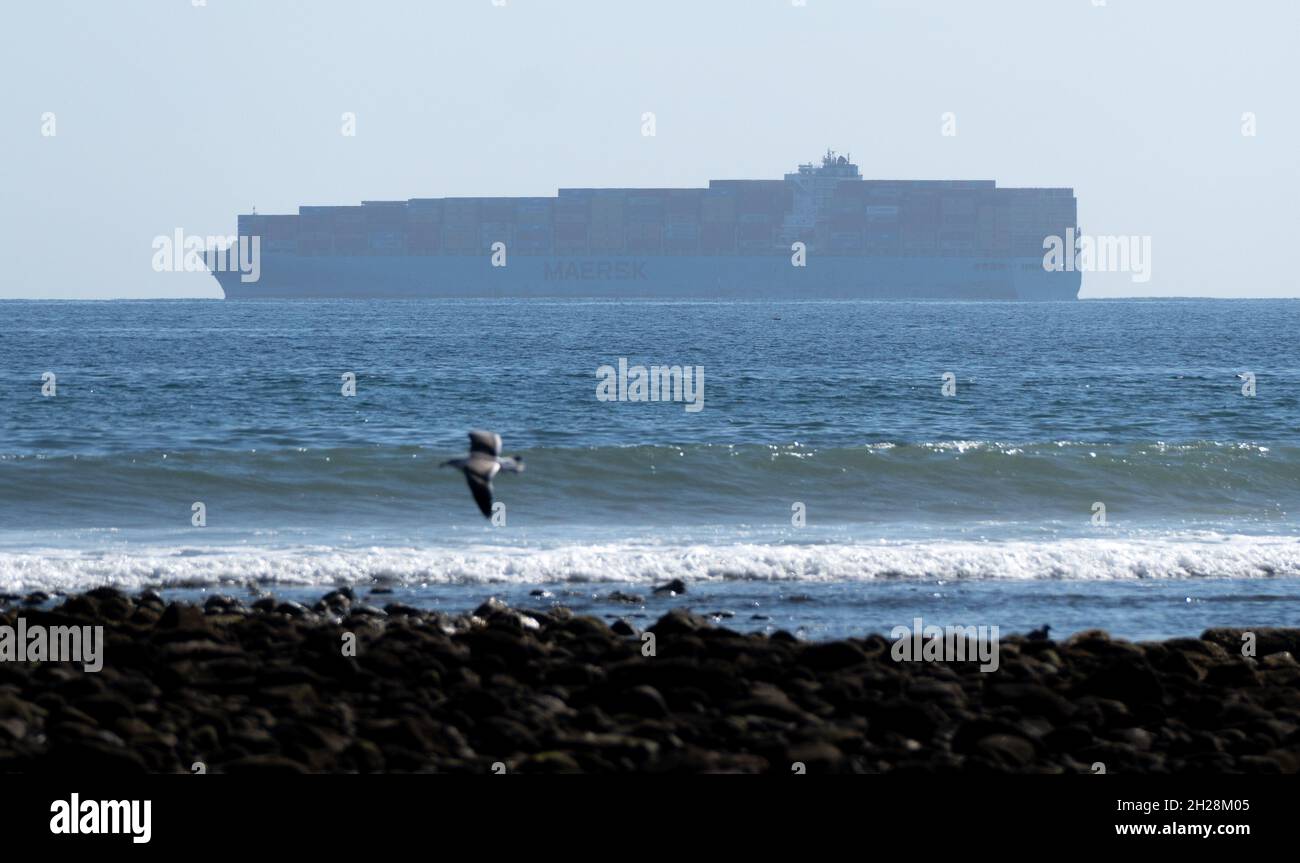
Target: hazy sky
(170,115)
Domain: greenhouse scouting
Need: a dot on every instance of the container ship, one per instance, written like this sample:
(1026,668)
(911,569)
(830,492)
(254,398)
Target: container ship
(822,232)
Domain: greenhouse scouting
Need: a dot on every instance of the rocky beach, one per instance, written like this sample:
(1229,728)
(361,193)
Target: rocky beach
(348,686)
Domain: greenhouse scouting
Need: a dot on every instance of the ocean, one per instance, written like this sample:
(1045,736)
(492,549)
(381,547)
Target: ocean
(851,465)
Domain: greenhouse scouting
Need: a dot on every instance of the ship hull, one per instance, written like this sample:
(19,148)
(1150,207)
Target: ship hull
(838,277)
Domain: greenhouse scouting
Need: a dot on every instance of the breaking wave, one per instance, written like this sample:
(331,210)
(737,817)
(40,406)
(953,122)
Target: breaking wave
(1171,557)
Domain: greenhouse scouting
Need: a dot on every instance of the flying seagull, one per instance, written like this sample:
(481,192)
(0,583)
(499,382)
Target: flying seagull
(483,463)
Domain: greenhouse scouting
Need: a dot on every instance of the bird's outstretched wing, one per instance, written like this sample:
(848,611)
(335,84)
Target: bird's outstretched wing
(479,470)
(482,491)
(485,442)
(511,464)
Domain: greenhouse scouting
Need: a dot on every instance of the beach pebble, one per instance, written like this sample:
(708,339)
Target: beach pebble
(622,627)
(672,588)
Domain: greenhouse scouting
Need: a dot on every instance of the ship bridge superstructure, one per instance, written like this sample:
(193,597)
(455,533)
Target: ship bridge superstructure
(813,190)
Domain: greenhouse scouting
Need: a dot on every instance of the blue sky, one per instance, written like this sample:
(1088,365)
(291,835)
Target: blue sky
(170,115)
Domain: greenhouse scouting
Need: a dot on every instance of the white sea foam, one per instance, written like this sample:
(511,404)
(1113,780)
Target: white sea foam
(1226,556)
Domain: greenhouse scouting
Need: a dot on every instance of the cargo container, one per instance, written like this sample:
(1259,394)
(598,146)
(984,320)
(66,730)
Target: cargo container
(424,239)
(424,211)
(460,239)
(718,208)
(457,211)
(497,210)
(315,242)
(717,238)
